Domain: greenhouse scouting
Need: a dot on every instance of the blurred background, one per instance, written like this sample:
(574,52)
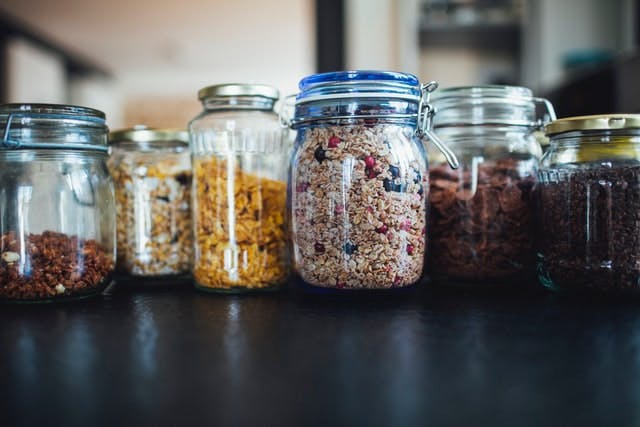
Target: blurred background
(143,61)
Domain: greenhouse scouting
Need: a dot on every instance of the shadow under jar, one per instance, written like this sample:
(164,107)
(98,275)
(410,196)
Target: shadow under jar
(57,214)
(151,169)
(481,218)
(239,160)
(358,184)
(589,208)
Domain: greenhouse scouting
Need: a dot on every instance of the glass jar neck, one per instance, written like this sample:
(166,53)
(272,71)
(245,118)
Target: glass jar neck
(258,103)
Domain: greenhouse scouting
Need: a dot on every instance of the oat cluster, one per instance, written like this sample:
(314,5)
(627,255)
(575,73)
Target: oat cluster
(154,230)
(481,221)
(240,227)
(52,265)
(358,206)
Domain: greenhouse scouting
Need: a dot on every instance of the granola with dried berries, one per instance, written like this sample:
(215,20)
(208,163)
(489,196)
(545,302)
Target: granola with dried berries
(240,227)
(154,232)
(358,206)
(52,265)
(481,222)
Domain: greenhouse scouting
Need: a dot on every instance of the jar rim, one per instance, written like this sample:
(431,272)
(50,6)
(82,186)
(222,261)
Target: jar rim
(142,133)
(73,111)
(359,84)
(600,122)
(225,90)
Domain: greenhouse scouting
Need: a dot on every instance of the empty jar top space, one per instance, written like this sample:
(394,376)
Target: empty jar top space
(52,126)
(484,105)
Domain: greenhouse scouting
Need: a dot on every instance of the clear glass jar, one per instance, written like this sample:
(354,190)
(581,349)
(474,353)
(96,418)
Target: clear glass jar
(239,194)
(358,184)
(481,219)
(151,170)
(589,207)
(57,215)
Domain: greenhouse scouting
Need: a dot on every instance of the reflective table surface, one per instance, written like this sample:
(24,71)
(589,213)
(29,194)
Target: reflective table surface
(175,356)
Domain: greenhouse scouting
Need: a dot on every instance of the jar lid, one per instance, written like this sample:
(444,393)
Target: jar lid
(598,122)
(489,105)
(142,133)
(359,84)
(238,89)
(49,126)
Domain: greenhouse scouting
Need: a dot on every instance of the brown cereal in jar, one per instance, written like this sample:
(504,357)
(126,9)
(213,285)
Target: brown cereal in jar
(240,227)
(52,265)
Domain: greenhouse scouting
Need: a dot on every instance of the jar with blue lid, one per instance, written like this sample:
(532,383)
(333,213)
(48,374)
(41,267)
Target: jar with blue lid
(57,214)
(358,183)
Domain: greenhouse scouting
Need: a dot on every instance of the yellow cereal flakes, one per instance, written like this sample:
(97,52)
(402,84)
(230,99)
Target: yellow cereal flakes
(240,240)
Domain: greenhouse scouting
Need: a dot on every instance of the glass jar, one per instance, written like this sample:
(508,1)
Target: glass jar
(589,208)
(151,169)
(358,184)
(57,215)
(481,219)
(239,193)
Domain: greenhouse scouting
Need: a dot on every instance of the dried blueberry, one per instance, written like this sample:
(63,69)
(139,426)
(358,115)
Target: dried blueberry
(388,184)
(319,247)
(418,178)
(395,171)
(320,154)
(349,248)
(420,190)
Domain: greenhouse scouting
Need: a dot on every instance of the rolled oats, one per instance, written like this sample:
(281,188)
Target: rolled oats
(358,206)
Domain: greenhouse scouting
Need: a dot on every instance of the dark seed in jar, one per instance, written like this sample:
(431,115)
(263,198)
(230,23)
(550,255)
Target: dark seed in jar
(589,235)
(350,248)
(320,154)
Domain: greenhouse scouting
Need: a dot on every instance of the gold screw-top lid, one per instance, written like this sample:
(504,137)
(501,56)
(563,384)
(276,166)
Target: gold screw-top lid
(599,122)
(142,133)
(238,89)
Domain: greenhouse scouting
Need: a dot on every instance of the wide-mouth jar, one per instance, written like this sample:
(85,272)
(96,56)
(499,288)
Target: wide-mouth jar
(57,216)
(481,217)
(589,205)
(240,159)
(151,169)
(358,182)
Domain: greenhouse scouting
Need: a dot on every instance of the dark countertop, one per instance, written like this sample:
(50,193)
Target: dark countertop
(180,357)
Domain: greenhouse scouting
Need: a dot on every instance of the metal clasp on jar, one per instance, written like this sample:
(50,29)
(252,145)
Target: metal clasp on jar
(425,121)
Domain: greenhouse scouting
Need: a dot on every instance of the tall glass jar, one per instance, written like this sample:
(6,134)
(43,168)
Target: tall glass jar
(358,184)
(482,214)
(151,169)
(57,215)
(239,193)
(589,208)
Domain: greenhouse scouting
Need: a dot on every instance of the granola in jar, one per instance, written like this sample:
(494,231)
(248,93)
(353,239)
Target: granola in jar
(151,170)
(358,184)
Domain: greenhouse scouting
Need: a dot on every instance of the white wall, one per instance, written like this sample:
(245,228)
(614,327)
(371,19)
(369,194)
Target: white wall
(34,74)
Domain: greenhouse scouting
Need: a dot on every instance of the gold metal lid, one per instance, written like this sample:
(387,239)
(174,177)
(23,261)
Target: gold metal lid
(599,122)
(142,133)
(238,89)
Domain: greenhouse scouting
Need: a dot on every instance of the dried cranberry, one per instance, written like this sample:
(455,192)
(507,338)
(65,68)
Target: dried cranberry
(319,247)
(301,187)
(371,174)
(334,141)
(340,285)
(320,154)
(410,249)
(382,229)
(369,162)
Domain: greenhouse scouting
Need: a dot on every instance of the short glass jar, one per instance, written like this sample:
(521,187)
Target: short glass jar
(151,169)
(358,184)
(589,208)
(57,214)
(481,219)
(240,160)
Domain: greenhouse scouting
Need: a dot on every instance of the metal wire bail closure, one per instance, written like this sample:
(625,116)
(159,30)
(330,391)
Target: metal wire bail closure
(425,121)
(550,115)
